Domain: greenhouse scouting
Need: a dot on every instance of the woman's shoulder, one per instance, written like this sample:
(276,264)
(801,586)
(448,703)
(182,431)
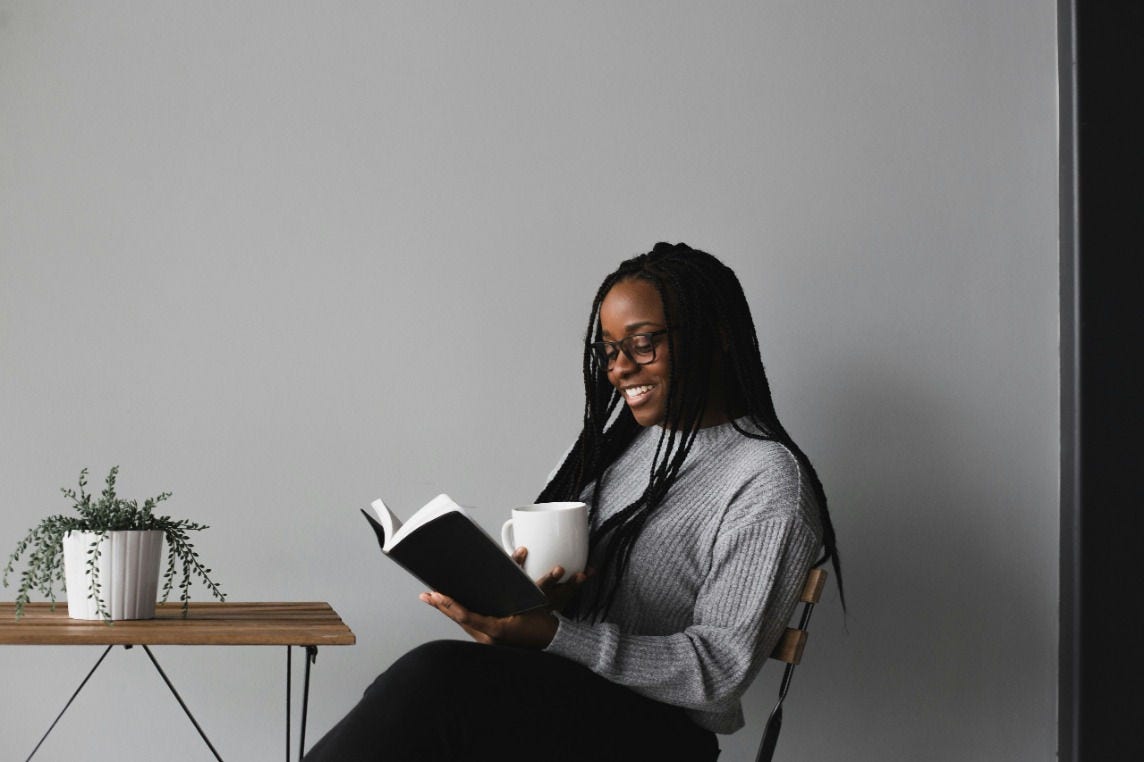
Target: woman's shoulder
(767,470)
(742,451)
(769,482)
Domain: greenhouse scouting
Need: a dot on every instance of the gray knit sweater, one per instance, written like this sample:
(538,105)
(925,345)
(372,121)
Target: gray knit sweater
(713,578)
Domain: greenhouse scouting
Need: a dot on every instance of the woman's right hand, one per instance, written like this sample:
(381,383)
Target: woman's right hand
(559,593)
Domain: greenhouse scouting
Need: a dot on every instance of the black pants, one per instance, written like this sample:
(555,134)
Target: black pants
(453,700)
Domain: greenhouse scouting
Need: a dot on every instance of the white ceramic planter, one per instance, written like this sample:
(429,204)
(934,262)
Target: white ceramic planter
(128,573)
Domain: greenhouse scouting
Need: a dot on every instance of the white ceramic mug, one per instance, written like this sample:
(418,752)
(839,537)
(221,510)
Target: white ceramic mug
(556,534)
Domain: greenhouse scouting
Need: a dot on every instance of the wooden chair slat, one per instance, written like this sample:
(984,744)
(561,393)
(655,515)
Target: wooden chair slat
(812,590)
(790,646)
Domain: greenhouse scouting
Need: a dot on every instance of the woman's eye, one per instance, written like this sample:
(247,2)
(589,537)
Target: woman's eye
(642,346)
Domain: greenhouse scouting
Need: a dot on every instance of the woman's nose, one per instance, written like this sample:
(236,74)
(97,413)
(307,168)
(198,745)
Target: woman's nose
(623,365)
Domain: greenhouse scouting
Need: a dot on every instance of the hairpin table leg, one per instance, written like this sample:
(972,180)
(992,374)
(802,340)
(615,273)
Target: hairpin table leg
(311,658)
(182,703)
(69,703)
(289,691)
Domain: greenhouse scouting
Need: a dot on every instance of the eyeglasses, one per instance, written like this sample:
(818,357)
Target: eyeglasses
(639,348)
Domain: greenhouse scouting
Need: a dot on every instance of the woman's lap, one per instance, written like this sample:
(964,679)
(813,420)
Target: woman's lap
(454,700)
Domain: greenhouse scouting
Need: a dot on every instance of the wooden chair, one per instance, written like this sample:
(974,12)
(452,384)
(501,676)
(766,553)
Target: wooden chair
(789,651)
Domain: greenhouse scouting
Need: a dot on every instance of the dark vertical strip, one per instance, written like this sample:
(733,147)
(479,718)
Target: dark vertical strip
(1068,710)
(1109,643)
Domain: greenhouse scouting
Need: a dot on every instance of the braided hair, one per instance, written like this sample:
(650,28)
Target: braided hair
(710,326)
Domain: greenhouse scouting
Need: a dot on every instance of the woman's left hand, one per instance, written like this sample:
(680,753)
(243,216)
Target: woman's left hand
(532,629)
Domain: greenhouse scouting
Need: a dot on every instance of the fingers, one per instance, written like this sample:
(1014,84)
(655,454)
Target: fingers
(551,578)
(580,577)
(560,593)
(519,555)
(446,606)
(483,629)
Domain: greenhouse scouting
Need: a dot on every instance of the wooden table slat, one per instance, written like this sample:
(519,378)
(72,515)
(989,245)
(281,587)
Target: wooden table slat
(207,623)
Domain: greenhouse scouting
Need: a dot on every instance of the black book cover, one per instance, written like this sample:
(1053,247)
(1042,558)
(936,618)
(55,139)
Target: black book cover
(453,556)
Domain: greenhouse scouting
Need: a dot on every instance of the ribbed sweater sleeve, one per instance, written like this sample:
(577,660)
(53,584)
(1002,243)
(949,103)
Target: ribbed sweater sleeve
(739,578)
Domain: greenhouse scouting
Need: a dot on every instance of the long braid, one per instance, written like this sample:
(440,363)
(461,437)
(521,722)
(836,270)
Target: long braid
(751,378)
(705,311)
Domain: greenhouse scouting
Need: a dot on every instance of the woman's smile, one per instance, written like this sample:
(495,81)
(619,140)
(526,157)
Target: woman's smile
(637,395)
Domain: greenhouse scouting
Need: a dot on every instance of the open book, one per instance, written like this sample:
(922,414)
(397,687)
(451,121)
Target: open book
(449,552)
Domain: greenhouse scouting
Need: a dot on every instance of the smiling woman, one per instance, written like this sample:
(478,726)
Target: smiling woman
(705,517)
(634,328)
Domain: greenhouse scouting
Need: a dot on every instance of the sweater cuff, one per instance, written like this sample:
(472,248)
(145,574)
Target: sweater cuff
(573,640)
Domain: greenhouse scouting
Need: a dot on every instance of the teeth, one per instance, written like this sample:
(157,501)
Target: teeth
(635,391)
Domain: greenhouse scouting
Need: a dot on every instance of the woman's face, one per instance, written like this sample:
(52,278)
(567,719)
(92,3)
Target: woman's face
(632,307)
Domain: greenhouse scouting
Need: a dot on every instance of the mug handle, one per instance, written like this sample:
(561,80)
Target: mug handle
(506,534)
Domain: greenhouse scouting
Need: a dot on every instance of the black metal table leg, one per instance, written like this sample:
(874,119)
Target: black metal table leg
(182,703)
(69,703)
(289,692)
(311,657)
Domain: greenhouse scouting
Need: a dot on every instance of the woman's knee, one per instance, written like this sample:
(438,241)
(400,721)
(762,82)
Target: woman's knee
(426,669)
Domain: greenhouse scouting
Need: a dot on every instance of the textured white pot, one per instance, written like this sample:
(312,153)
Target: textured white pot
(128,573)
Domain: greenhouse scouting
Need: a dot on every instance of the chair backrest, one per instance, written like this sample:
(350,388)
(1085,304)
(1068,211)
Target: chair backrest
(789,651)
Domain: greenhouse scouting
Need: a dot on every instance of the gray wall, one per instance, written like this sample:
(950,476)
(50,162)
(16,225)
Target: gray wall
(283,259)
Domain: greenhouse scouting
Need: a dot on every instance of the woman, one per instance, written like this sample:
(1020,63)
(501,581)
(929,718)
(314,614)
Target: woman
(705,519)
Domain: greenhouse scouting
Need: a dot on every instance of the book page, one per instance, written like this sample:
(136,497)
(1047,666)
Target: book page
(389,523)
(438,506)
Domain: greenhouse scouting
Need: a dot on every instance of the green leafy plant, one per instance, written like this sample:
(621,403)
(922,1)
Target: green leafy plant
(44,567)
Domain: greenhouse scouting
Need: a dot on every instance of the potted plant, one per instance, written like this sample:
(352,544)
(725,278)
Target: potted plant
(108,556)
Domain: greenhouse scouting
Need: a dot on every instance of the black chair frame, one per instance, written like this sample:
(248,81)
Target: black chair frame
(790,650)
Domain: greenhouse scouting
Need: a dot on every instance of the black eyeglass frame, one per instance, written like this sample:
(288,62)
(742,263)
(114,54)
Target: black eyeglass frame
(601,348)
